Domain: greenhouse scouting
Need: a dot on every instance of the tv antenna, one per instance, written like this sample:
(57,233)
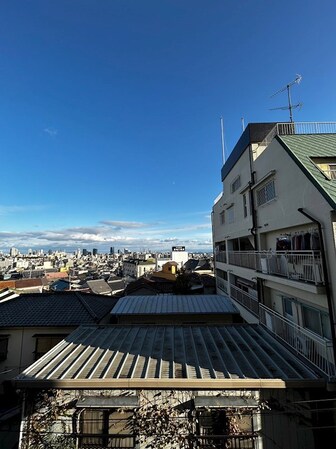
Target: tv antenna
(290,106)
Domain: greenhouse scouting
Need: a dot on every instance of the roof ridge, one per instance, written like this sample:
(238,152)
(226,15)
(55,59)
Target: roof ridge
(86,306)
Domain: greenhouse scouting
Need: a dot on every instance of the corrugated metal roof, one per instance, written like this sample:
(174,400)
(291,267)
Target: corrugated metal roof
(174,304)
(113,356)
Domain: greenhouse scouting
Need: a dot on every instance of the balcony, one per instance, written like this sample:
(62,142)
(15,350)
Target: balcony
(304,266)
(223,441)
(290,128)
(221,257)
(248,301)
(222,284)
(309,345)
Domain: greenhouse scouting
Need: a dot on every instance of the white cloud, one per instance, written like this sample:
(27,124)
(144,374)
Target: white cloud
(133,235)
(51,131)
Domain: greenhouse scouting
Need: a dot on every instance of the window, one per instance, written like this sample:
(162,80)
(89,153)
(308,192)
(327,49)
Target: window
(106,429)
(288,306)
(235,184)
(266,193)
(46,342)
(327,165)
(245,205)
(222,217)
(230,215)
(3,347)
(316,321)
(215,429)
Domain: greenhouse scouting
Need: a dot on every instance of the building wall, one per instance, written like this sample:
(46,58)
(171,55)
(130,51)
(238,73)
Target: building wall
(277,420)
(21,348)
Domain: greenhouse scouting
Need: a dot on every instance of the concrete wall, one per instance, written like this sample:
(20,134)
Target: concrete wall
(21,347)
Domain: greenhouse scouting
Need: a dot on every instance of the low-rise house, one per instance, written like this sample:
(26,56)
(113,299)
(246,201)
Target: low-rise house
(170,387)
(31,324)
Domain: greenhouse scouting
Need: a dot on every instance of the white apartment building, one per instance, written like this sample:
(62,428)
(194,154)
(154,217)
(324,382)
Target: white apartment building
(274,232)
(135,268)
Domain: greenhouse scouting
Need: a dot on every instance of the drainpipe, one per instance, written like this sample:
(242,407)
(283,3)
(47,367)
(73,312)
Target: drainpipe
(260,289)
(326,279)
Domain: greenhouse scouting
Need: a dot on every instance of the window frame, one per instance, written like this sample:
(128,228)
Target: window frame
(267,198)
(229,212)
(103,434)
(4,352)
(38,339)
(235,184)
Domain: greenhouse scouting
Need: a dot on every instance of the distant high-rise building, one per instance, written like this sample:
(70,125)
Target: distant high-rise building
(112,250)
(94,251)
(13,252)
(85,253)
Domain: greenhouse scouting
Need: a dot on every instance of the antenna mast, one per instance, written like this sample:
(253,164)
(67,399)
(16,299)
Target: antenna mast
(290,106)
(222,138)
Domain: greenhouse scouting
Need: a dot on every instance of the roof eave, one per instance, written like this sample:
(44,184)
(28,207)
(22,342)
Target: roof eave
(181,384)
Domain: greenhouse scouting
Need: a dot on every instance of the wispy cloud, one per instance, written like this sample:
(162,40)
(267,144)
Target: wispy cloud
(51,131)
(124,224)
(14,209)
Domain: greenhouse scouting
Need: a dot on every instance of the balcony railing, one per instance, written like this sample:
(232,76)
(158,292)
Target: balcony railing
(246,259)
(223,441)
(305,266)
(222,284)
(309,345)
(221,256)
(248,301)
(283,129)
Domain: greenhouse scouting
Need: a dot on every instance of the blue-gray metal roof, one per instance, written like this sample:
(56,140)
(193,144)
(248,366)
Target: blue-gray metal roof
(174,304)
(241,355)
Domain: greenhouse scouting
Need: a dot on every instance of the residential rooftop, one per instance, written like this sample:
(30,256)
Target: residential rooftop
(55,309)
(174,304)
(231,356)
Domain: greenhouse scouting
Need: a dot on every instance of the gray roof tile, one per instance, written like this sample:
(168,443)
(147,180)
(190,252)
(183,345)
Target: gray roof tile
(55,309)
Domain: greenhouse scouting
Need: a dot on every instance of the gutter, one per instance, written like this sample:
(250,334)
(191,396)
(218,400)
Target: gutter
(326,279)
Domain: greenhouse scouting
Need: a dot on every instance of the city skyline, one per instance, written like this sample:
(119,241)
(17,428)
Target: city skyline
(110,129)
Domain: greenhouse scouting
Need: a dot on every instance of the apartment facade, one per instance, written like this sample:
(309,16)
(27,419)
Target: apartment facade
(274,231)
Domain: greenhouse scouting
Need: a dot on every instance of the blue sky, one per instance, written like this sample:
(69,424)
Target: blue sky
(110,132)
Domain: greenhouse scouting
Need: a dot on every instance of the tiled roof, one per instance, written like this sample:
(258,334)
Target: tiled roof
(99,286)
(55,309)
(174,304)
(303,147)
(184,356)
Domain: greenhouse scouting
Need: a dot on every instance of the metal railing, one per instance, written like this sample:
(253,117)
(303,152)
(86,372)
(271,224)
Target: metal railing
(221,256)
(303,266)
(222,284)
(248,301)
(290,128)
(223,441)
(309,345)
(331,173)
(246,259)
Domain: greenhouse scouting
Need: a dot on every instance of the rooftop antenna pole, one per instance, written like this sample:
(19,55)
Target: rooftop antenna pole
(222,138)
(243,123)
(290,106)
